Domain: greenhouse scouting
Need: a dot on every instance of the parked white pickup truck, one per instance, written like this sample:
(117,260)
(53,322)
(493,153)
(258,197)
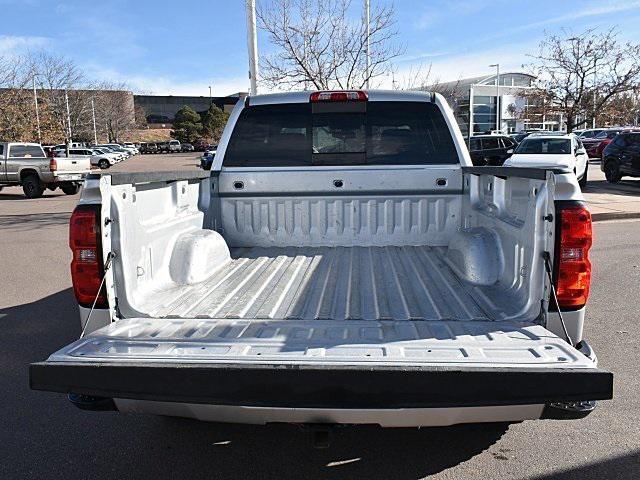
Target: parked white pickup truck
(342,262)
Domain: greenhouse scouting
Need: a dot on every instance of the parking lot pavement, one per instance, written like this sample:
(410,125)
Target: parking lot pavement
(611,201)
(44,437)
(158,162)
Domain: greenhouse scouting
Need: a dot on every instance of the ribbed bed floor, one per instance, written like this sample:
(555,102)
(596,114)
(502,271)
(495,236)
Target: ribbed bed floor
(359,283)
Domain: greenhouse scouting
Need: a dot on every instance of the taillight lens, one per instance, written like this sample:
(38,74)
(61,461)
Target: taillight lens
(86,265)
(572,257)
(53,165)
(339,96)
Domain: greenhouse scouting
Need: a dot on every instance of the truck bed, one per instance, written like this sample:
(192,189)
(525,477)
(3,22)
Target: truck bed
(339,283)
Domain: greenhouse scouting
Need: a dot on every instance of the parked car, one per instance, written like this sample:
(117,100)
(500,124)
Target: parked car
(163,147)
(588,133)
(621,157)
(149,147)
(114,147)
(563,151)
(174,146)
(407,289)
(120,154)
(132,147)
(596,145)
(186,147)
(207,157)
(610,137)
(490,149)
(113,157)
(26,165)
(96,158)
(200,145)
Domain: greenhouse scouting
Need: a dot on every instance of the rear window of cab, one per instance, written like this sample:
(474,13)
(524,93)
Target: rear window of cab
(344,133)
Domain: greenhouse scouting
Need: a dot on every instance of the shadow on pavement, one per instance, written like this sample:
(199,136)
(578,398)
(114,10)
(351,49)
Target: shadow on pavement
(32,221)
(621,467)
(624,187)
(43,436)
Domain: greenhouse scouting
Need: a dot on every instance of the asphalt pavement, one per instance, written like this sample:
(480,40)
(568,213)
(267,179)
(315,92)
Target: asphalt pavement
(42,436)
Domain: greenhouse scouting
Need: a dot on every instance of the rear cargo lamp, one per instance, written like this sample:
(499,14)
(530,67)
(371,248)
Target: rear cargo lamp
(572,256)
(53,165)
(86,266)
(339,96)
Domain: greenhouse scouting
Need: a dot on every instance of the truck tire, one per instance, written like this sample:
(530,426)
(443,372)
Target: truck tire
(70,188)
(104,164)
(32,186)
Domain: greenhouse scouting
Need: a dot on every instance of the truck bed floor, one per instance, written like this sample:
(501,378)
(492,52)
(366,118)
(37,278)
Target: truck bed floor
(340,283)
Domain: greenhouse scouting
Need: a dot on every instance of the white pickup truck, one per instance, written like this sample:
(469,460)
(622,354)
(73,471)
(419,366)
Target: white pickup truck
(342,263)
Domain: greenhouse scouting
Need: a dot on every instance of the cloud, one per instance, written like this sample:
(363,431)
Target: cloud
(12,45)
(594,11)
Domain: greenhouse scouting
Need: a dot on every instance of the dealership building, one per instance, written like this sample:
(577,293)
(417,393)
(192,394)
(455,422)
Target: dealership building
(494,103)
(160,110)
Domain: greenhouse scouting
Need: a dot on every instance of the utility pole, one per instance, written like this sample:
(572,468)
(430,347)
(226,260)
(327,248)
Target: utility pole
(95,132)
(368,50)
(35,99)
(210,99)
(497,65)
(252,44)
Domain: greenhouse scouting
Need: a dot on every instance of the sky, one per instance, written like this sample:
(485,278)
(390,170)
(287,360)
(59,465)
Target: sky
(182,47)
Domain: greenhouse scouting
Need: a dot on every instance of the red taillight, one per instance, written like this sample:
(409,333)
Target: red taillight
(86,265)
(573,265)
(53,165)
(339,96)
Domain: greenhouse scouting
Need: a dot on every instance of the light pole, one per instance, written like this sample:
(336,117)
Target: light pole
(35,99)
(595,78)
(252,44)
(497,65)
(209,94)
(69,133)
(95,132)
(368,51)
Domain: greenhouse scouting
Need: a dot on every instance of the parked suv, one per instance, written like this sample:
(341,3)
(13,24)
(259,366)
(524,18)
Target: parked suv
(148,147)
(174,146)
(622,157)
(490,149)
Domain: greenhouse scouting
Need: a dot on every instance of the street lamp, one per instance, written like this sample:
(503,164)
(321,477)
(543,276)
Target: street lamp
(497,65)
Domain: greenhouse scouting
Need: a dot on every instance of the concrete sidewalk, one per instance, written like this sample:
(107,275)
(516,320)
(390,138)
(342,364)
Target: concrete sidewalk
(609,201)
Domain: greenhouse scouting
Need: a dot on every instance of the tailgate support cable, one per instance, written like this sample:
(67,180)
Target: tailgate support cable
(547,267)
(107,264)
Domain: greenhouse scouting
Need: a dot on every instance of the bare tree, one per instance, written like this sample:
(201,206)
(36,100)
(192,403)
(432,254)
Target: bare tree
(580,74)
(17,113)
(318,47)
(60,81)
(115,111)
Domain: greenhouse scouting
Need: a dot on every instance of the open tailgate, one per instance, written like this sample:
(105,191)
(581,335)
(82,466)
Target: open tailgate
(324,364)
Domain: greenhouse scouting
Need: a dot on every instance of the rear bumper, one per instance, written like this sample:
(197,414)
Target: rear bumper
(323,386)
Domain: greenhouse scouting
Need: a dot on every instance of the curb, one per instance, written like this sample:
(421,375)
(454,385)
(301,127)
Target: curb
(599,217)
